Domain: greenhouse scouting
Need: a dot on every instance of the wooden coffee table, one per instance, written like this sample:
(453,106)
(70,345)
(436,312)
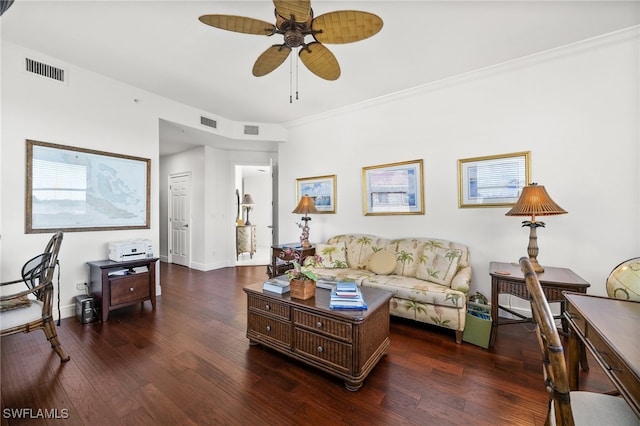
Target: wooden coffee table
(346,344)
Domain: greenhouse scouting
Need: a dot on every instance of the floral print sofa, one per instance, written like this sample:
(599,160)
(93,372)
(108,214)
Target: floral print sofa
(429,277)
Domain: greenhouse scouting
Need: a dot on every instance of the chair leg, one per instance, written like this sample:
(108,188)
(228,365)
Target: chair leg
(52,337)
(459,336)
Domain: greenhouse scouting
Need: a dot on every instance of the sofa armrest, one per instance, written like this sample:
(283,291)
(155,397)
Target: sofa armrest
(462,280)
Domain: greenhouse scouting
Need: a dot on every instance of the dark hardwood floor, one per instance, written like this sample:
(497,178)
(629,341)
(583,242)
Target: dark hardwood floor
(189,363)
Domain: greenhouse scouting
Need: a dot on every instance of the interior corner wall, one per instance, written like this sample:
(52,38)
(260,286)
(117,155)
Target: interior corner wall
(212,201)
(191,162)
(576,109)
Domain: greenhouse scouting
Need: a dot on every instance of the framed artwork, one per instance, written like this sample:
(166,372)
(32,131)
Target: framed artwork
(395,188)
(493,181)
(322,189)
(74,189)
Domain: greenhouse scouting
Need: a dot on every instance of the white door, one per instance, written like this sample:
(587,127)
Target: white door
(179,214)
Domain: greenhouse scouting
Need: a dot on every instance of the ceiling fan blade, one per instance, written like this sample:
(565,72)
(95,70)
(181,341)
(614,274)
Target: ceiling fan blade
(345,26)
(320,61)
(270,59)
(300,9)
(239,24)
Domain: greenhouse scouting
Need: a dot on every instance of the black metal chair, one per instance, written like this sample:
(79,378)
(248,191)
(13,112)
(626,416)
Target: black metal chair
(23,311)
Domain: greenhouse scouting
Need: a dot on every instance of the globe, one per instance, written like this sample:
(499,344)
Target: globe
(624,280)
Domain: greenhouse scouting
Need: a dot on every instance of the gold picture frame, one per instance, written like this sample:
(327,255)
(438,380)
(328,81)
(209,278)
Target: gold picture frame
(322,189)
(493,180)
(75,190)
(392,189)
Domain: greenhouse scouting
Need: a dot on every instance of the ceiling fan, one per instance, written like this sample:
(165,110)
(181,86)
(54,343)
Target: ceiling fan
(295,21)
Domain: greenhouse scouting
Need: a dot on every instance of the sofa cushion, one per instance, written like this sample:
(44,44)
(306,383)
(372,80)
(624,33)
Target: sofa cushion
(407,252)
(359,248)
(438,264)
(382,262)
(333,255)
(414,289)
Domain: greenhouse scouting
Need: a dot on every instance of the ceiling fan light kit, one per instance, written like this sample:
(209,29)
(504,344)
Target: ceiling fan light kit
(295,21)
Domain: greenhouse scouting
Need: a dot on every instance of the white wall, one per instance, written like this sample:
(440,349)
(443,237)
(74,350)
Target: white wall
(95,112)
(89,112)
(576,109)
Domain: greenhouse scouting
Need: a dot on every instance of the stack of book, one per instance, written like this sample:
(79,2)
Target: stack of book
(347,295)
(278,284)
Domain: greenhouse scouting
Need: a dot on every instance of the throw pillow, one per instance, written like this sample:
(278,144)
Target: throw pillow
(333,255)
(438,264)
(382,262)
(407,253)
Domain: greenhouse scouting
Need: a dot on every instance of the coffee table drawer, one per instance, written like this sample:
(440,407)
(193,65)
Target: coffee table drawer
(336,354)
(269,327)
(338,329)
(269,306)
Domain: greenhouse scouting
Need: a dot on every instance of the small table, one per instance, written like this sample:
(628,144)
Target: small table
(281,261)
(245,240)
(344,343)
(508,278)
(113,290)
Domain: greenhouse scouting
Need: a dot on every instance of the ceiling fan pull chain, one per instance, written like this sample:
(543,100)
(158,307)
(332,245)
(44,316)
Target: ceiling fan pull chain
(297,72)
(290,79)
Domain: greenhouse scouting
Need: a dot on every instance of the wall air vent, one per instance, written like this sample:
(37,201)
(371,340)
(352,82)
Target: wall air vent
(251,130)
(44,70)
(209,122)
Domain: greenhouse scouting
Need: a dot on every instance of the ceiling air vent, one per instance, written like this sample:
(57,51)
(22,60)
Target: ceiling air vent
(209,122)
(251,130)
(44,70)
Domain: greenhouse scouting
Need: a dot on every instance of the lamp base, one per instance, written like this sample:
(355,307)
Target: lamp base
(304,237)
(532,248)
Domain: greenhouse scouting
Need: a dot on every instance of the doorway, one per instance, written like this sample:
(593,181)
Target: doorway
(256,181)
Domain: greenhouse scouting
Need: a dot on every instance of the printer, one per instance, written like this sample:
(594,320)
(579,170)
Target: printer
(120,251)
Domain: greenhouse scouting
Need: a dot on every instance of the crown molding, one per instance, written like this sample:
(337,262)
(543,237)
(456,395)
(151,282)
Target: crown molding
(616,37)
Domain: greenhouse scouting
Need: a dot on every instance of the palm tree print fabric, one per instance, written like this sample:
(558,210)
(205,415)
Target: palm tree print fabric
(332,255)
(438,264)
(430,281)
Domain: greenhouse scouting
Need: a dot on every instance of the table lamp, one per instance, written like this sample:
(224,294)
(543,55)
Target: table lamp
(305,206)
(247,203)
(534,200)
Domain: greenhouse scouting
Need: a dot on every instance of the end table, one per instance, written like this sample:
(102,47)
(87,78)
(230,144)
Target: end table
(508,278)
(281,262)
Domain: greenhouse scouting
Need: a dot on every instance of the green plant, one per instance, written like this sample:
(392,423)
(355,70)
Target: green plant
(301,273)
